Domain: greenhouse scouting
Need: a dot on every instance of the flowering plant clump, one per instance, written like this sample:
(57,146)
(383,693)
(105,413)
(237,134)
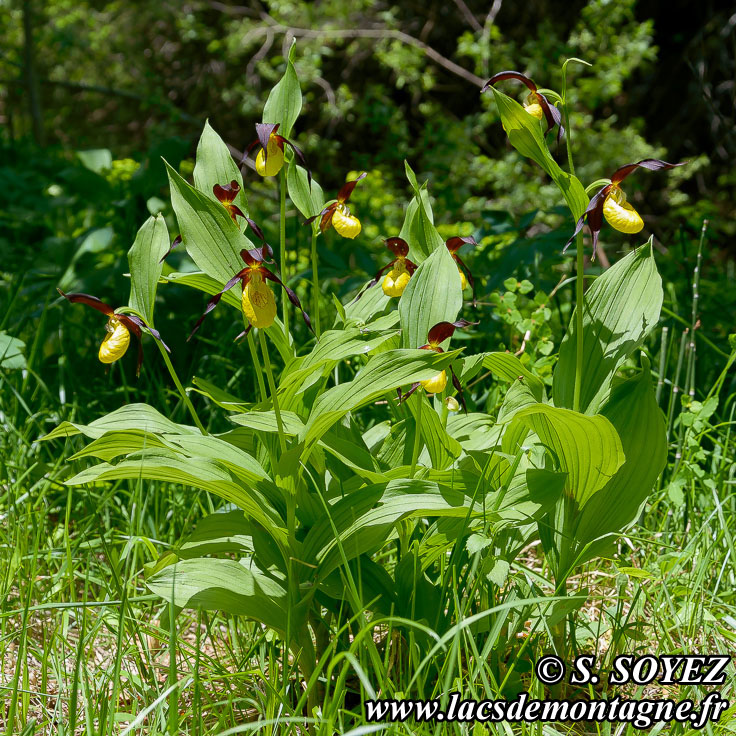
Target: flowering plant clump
(352,451)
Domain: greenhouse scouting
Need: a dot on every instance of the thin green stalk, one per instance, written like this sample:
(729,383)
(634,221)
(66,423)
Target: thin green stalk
(580,259)
(272,389)
(417,434)
(662,362)
(315,283)
(579,300)
(282,247)
(256,364)
(180,388)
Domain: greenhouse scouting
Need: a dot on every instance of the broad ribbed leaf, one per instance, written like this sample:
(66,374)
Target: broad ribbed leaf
(215,165)
(131,417)
(197,472)
(211,237)
(433,295)
(144,259)
(509,367)
(633,411)
(621,309)
(442,448)
(308,200)
(284,102)
(525,135)
(384,372)
(265,421)
(587,448)
(11,353)
(239,588)
(418,229)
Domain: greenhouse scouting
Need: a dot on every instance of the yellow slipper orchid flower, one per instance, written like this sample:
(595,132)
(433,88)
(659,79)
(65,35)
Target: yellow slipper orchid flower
(610,202)
(270,159)
(118,327)
(337,213)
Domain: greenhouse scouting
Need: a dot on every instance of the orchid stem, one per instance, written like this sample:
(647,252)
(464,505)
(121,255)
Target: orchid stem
(580,261)
(579,303)
(256,364)
(417,434)
(315,283)
(180,388)
(272,389)
(282,248)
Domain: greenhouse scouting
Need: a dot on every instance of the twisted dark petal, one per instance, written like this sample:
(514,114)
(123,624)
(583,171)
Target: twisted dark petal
(411,266)
(404,397)
(653,164)
(329,208)
(254,227)
(518,76)
(243,334)
(468,276)
(233,209)
(594,214)
(547,110)
(138,322)
(300,157)
(254,144)
(557,116)
(326,220)
(374,280)
(293,298)
(458,387)
(215,300)
(90,301)
(176,241)
(347,189)
(398,246)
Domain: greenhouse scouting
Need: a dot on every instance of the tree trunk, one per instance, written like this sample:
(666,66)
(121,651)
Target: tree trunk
(29,74)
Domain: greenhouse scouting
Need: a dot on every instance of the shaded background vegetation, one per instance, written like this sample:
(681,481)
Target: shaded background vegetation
(126,83)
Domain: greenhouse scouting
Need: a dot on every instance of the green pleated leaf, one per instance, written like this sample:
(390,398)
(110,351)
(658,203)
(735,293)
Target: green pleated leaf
(526,136)
(433,295)
(633,411)
(144,259)
(238,588)
(197,472)
(211,237)
(418,229)
(383,373)
(587,448)
(11,352)
(284,102)
(140,417)
(621,309)
(215,165)
(308,200)
(265,421)
(442,448)
(510,368)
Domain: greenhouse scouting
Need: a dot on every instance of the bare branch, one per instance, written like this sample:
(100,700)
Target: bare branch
(468,15)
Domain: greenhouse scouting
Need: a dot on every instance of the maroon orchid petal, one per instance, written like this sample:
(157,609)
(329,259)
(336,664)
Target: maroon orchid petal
(136,320)
(264,131)
(653,164)
(254,227)
(398,246)
(594,214)
(347,189)
(455,243)
(547,110)
(293,298)
(176,241)
(557,117)
(518,76)
(444,330)
(374,280)
(468,276)
(227,193)
(234,210)
(299,155)
(404,397)
(215,300)
(243,334)
(458,387)
(410,266)
(90,301)
(326,220)
(251,146)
